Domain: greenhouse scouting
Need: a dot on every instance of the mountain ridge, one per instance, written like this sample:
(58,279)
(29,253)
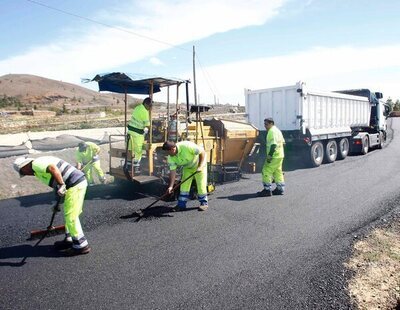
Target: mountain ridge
(37,90)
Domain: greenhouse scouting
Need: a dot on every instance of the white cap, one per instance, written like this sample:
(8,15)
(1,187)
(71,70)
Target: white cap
(21,162)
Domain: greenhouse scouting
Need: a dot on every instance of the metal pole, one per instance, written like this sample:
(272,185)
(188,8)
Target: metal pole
(168,117)
(195,92)
(126,111)
(150,150)
(176,111)
(187,108)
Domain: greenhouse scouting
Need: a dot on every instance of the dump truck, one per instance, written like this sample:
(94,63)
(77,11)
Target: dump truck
(322,126)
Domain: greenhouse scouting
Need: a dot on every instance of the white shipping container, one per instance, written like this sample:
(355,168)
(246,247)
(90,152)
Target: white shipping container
(298,108)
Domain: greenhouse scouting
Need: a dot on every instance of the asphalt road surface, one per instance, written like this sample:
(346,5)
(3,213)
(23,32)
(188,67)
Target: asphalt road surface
(281,252)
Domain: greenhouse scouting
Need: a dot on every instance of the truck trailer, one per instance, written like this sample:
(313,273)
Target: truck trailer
(322,126)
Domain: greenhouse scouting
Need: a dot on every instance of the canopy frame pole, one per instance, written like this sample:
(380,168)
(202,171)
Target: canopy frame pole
(187,108)
(168,117)
(150,150)
(176,111)
(126,111)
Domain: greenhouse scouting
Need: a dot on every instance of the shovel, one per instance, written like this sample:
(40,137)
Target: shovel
(140,213)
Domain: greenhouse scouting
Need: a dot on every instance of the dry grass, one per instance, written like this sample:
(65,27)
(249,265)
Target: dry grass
(376,263)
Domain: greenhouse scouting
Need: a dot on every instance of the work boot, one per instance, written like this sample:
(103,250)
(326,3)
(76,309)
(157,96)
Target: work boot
(203,207)
(77,251)
(63,244)
(103,180)
(136,170)
(178,209)
(264,193)
(277,191)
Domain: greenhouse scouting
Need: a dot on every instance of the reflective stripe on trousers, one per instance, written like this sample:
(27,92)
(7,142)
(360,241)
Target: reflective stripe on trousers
(201,183)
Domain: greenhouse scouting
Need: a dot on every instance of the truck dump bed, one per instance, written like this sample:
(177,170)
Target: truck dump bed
(297,108)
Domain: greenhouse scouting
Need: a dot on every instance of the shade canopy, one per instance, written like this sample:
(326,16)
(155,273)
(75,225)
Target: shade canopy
(119,82)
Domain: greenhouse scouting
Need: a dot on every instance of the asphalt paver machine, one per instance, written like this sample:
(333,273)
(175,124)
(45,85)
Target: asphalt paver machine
(227,143)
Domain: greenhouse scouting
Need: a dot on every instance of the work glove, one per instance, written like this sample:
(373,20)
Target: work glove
(269,158)
(169,190)
(61,190)
(95,158)
(199,168)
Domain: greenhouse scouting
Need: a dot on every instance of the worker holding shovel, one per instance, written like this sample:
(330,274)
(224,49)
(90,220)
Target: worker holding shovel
(192,158)
(87,157)
(68,182)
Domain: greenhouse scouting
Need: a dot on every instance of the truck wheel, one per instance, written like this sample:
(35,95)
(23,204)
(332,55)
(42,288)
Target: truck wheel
(365,145)
(316,154)
(343,148)
(331,150)
(381,141)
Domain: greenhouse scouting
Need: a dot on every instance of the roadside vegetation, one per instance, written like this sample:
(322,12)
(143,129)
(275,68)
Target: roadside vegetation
(376,263)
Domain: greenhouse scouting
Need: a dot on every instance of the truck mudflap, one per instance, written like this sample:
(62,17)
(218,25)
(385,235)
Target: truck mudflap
(359,143)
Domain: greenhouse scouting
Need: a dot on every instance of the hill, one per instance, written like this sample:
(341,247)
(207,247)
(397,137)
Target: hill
(33,103)
(31,90)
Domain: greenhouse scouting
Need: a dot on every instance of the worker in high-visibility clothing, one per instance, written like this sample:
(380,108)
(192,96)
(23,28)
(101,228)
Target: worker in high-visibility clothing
(87,158)
(272,169)
(137,127)
(192,158)
(69,183)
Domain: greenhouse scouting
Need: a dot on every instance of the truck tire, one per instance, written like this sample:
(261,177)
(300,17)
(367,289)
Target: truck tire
(343,148)
(365,145)
(316,154)
(381,141)
(331,150)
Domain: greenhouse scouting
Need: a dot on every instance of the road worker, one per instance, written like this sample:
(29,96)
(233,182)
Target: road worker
(192,158)
(137,127)
(69,183)
(87,158)
(272,169)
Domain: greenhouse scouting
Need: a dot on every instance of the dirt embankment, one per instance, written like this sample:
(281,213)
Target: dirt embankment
(376,264)
(11,185)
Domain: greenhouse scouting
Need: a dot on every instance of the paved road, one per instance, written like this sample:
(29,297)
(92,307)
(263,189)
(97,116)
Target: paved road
(243,253)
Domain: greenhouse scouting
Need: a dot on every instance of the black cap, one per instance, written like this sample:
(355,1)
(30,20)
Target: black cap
(147,101)
(82,146)
(169,145)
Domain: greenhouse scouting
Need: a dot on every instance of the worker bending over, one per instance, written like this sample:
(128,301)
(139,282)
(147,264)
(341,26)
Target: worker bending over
(87,157)
(192,158)
(67,182)
(140,119)
(272,169)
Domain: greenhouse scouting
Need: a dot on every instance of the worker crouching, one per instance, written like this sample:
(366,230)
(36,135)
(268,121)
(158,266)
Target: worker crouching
(88,160)
(192,158)
(69,183)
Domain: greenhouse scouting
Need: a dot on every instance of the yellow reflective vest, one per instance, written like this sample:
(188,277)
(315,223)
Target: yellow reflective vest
(140,117)
(91,151)
(187,155)
(274,136)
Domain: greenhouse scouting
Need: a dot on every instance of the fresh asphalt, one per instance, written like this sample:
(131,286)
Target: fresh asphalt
(281,252)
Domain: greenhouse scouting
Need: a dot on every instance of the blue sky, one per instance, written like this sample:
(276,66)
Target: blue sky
(239,44)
